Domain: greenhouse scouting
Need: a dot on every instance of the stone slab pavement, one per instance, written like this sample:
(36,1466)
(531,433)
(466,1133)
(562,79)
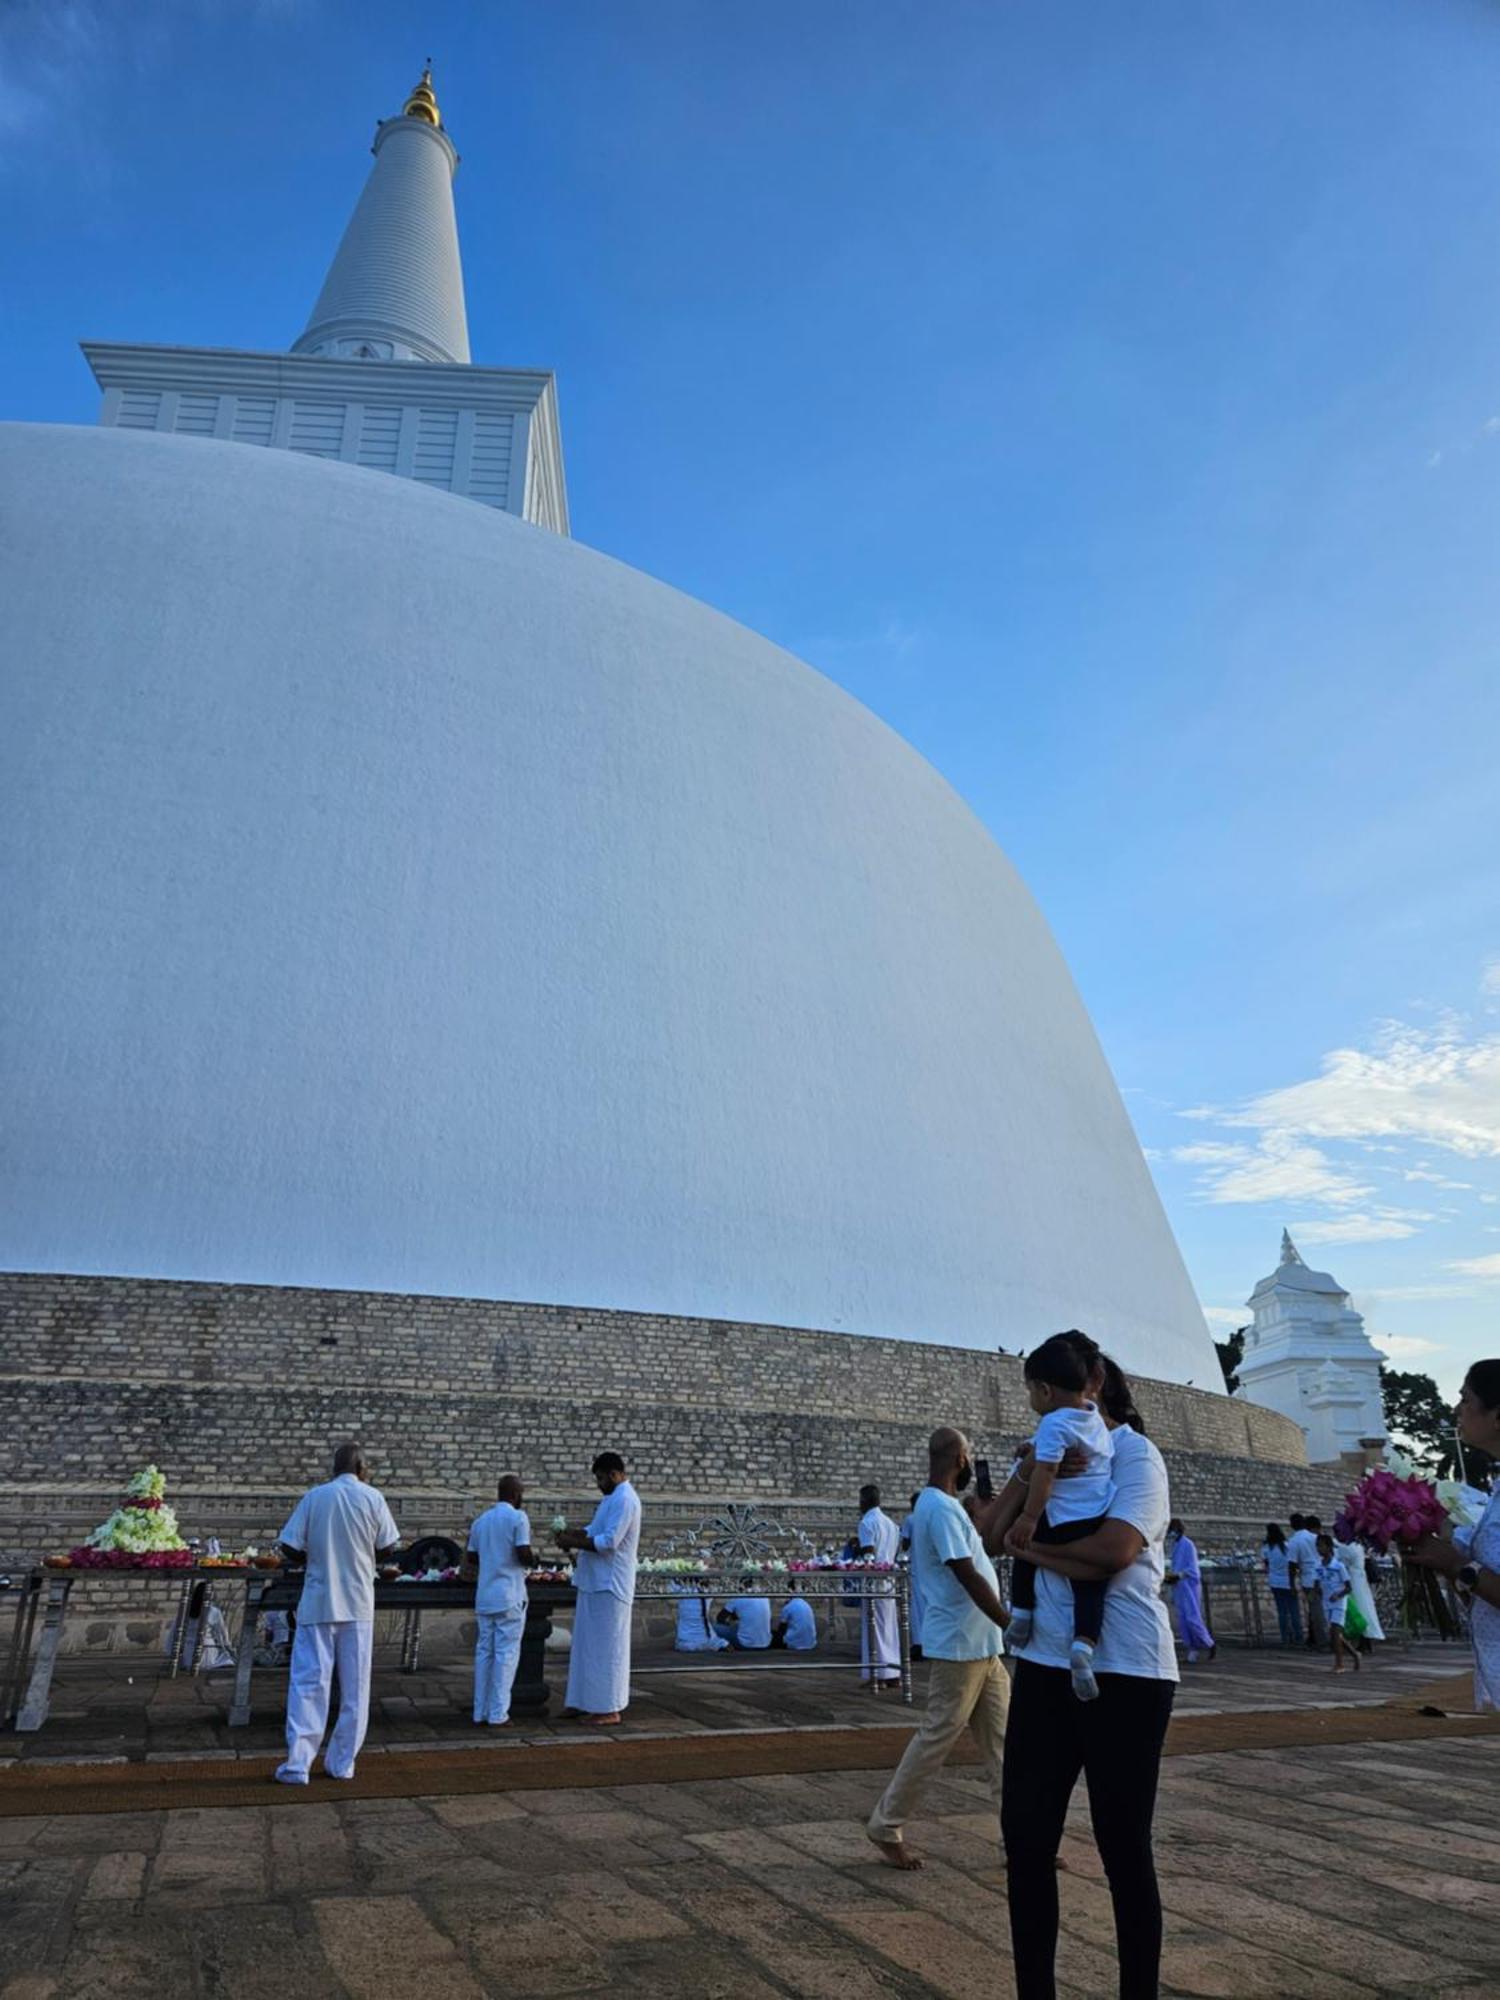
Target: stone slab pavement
(1333,1873)
(128,1710)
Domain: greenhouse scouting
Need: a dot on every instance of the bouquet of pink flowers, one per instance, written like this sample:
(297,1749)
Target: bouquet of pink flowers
(1386,1508)
(1394,1510)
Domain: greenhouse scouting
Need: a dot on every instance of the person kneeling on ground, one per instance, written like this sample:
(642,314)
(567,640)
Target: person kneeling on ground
(746,1623)
(797,1627)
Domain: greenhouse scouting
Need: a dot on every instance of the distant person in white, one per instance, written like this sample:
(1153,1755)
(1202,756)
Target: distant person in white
(343,1529)
(966,1682)
(1334,1584)
(746,1623)
(1303,1568)
(879,1631)
(599,1663)
(695,1629)
(500,1543)
(797,1627)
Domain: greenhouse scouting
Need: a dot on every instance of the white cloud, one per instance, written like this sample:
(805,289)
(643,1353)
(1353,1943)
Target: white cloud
(1385,1227)
(49,50)
(1478,1267)
(1432,1085)
(1405,1346)
(1279,1169)
(1437,1180)
(1402,1294)
(1226,1316)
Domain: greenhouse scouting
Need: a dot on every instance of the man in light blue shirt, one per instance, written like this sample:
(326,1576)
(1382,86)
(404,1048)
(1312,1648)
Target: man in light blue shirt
(963,1617)
(746,1623)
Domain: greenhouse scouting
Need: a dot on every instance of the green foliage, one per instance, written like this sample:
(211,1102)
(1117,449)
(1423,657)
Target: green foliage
(1231,1353)
(1419,1418)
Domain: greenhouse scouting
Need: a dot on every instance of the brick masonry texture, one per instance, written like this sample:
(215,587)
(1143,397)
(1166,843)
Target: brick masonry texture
(239,1392)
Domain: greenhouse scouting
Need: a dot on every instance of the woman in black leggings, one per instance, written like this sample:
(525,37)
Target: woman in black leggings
(1116,1741)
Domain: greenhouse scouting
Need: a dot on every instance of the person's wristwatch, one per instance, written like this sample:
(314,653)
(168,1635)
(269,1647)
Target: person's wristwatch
(1467,1578)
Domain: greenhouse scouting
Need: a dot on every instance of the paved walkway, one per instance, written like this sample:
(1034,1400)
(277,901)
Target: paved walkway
(127,1710)
(1333,1873)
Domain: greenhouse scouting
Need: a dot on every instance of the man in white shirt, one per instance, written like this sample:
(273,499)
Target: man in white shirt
(500,1544)
(746,1623)
(966,1683)
(1305,1569)
(599,1664)
(696,1631)
(879,1630)
(342,1529)
(797,1627)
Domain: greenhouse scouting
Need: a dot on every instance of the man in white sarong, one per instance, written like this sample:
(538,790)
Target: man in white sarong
(343,1529)
(599,1663)
(500,1545)
(879,1632)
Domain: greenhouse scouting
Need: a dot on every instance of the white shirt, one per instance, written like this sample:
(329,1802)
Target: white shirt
(1137,1635)
(801,1625)
(953,1626)
(1278,1574)
(754,1614)
(339,1527)
(1302,1549)
(615,1532)
(1481,1544)
(494,1538)
(879,1532)
(1332,1579)
(1086,1496)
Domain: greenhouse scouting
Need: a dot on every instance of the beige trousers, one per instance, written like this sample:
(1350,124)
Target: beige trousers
(961,1694)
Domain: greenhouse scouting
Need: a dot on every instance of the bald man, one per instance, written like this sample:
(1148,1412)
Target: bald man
(500,1543)
(963,1618)
(342,1530)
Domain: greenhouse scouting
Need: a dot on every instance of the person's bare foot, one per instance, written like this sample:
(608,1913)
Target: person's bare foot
(606,1721)
(896,1854)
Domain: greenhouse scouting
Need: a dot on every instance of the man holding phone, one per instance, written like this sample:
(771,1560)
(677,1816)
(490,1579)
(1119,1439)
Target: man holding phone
(963,1619)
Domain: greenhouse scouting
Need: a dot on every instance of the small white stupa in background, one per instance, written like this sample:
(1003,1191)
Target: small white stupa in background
(1308,1356)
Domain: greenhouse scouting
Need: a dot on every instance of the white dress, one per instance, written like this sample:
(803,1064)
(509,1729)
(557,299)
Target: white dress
(1352,1556)
(879,1628)
(1482,1545)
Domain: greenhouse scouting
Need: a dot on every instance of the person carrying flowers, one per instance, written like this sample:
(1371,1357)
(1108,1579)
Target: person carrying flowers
(1470,1556)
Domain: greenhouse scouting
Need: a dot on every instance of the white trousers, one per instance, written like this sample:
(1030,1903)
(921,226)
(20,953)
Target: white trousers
(879,1640)
(496,1653)
(599,1663)
(317,1651)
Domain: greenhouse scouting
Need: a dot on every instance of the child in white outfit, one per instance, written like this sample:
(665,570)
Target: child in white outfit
(1063,1510)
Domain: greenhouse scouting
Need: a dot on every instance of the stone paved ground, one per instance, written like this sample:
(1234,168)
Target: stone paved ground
(123,1709)
(1332,1874)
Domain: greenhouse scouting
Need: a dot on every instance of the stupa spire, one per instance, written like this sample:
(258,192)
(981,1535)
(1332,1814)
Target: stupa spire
(395,288)
(1290,1254)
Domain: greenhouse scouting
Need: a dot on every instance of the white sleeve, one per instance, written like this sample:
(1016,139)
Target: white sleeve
(1141,1496)
(523,1531)
(869,1533)
(1053,1436)
(387,1534)
(605,1533)
(294,1534)
(948,1535)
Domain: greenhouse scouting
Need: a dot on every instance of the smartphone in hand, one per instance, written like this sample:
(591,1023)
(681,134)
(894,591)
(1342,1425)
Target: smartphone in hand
(984,1488)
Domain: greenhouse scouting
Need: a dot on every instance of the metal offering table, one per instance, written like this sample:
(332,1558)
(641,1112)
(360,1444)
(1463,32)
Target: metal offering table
(50,1592)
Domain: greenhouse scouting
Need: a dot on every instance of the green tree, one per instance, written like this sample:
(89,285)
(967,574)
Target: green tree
(1419,1418)
(1231,1353)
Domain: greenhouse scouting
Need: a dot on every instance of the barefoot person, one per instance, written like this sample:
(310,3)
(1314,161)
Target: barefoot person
(599,1664)
(342,1530)
(966,1684)
(878,1540)
(1471,1556)
(500,1544)
(1334,1583)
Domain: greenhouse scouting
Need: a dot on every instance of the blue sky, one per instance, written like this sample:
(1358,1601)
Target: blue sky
(1109,396)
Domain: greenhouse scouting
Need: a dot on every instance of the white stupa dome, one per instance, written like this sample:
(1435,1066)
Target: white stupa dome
(402,897)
